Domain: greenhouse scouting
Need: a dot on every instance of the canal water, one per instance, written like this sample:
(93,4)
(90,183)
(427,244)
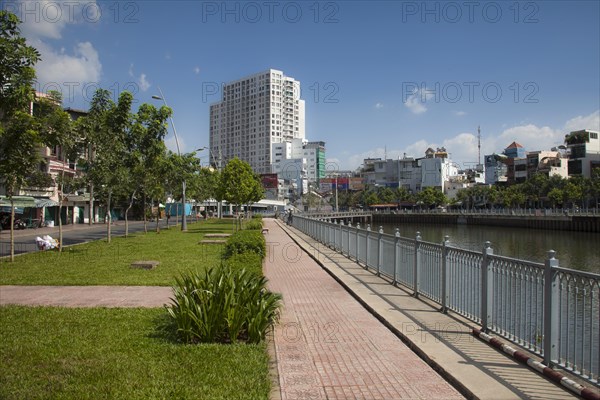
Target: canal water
(576,250)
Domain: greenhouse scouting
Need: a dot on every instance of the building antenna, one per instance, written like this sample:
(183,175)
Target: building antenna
(478,145)
(384,153)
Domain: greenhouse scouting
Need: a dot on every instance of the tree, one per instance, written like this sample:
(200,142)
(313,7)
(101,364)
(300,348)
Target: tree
(431,197)
(385,194)
(89,130)
(595,186)
(556,196)
(21,134)
(145,149)
(107,171)
(239,185)
(370,198)
(56,130)
(573,191)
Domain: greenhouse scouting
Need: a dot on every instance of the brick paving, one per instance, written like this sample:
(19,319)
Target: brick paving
(328,346)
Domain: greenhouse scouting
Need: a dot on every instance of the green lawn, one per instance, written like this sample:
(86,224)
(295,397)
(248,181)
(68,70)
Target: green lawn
(66,353)
(100,263)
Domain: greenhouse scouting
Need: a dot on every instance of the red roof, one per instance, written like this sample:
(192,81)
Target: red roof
(513,145)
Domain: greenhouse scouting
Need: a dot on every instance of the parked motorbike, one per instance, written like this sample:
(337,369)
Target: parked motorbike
(18,224)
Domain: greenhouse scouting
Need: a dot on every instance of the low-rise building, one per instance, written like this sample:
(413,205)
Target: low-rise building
(583,149)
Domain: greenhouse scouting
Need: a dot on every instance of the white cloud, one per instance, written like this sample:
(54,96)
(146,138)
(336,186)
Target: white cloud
(171,143)
(460,113)
(463,147)
(416,101)
(196,70)
(47,18)
(144,84)
(142,81)
(531,137)
(591,122)
(81,67)
(378,105)
(60,69)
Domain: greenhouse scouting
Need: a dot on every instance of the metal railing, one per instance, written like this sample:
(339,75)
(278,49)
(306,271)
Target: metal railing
(549,310)
(530,212)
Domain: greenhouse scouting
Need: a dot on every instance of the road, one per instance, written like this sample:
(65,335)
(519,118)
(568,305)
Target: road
(72,234)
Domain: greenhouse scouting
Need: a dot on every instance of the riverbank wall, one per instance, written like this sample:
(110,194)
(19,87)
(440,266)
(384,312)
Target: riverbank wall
(565,223)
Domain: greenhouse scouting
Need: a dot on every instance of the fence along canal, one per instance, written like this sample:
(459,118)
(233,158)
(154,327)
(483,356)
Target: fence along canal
(549,310)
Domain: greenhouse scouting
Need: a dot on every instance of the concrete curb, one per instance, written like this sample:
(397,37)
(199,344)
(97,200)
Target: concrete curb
(555,376)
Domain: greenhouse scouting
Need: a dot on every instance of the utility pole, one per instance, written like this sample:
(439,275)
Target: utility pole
(479,145)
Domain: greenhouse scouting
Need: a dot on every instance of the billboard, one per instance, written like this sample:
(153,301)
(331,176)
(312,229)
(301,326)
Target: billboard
(356,184)
(269,181)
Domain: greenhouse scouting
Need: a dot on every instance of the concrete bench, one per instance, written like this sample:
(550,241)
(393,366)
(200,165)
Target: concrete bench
(145,264)
(212,241)
(217,235)
(265,230)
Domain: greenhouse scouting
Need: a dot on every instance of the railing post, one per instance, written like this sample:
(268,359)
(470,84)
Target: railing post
(396,255)
(486,287)
(332,231)
(341,248)
(368,247)
(551,293)
(349,227)
(379,250)
(417,265)
(357,243)
(445,275)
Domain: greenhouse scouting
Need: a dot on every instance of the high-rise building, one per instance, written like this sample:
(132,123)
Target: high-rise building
(255,112)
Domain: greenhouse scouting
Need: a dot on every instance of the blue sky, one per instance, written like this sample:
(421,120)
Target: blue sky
(376,76)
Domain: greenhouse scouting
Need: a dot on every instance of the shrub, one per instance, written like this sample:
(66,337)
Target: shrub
(257,216)
(246,241)
(251,262)
(254,224)
(222,304)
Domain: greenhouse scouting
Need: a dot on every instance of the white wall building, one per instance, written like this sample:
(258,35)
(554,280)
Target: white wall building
(255,112)
(312,154)
(433,170)
(584,152)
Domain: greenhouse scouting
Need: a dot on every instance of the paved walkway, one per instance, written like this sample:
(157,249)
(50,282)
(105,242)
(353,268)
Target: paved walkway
(444,340)
(330,347)
(86,296)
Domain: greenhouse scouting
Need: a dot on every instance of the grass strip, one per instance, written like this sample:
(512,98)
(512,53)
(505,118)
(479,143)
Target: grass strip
(102,353)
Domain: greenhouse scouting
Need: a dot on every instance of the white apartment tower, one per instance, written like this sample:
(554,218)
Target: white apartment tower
(255,112)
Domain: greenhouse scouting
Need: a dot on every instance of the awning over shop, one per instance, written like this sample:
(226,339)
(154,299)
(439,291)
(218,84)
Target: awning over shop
(42,202)
(17,201)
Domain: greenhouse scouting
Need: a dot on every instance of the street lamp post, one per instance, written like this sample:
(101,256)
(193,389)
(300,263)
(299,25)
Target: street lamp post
(337,209)
(184,220)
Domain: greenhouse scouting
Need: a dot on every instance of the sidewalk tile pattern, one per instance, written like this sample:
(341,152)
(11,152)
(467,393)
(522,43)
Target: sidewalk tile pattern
(328,346)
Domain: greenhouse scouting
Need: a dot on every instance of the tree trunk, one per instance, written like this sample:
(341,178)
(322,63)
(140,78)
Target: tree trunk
(12,229)
(60,204)
(176,214)
(157,216)
(109,217)
(91,157)
(144,212)
(91,217)
(127,212)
